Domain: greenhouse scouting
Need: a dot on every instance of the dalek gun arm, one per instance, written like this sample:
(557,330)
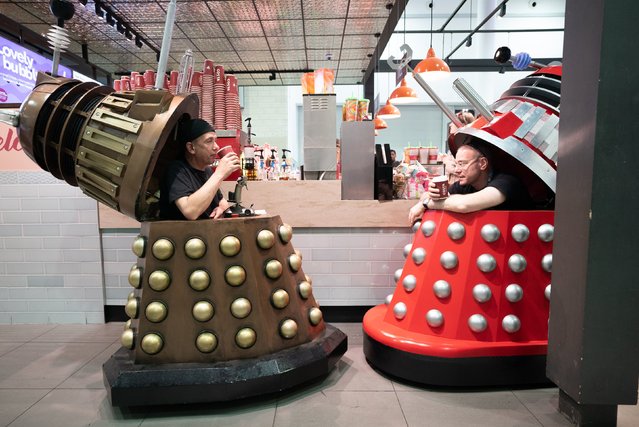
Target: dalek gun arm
(235,197)
(10,117)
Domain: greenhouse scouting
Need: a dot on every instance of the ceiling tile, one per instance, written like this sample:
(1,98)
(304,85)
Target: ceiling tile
(324,42)
(322,64)
(361,41)
(323,27)
(97,59)
(279,9)
(212,44)
(319,54)
(256,55)
(245,80)
(354,64)
(155,30)
(291,65)
(238,10)
(234,66)
(368,8)
(289,55)
(365,25)
(348,80)
(18,14)
(284,27)
(242,29)
(267,82)
(286,43)
(349,54)
(253,43)
(222,57)
(139,11)
(265,65)
(201,29)
(192,11)
(181,45)
(349,73)
(106,47)
(324,9)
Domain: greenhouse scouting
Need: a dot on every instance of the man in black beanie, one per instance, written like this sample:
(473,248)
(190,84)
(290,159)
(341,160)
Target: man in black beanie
(190,189)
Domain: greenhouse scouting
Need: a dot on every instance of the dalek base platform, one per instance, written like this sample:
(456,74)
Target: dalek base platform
(130,384)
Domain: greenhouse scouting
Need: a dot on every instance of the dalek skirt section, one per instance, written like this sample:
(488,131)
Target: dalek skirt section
(472,301)
(210,291)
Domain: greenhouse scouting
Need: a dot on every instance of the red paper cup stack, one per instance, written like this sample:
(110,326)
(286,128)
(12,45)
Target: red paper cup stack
(149,79)
(139,82)
(134,80)
(173,80)
(117,85)
(232,103)
(206,106)
(219,94)
(125,83)
(196,84)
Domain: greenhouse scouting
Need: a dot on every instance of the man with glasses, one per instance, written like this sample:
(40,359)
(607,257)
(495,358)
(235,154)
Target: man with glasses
(479,187)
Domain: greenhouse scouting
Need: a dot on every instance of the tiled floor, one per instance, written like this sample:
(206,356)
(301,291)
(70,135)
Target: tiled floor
(50,375)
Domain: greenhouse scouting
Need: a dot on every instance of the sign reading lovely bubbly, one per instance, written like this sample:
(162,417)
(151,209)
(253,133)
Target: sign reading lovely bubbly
(18,71)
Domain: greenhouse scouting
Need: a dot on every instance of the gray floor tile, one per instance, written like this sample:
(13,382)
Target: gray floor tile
(441,409)
(543,405)
(6,347)
(628,416)
(70,408)
(340,408)
(353,373)
(90,375)
(45,365)
(15,402)
(22,333)
(83,333)
(257,413)
(353,331)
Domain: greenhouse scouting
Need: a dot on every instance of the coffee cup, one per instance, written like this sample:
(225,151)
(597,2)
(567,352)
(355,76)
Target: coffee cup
(441,182)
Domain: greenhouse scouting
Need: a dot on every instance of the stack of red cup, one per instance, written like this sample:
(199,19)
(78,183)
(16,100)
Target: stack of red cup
(125,83)
(206,103)
(232,103)
(196,84)
(219,92)
(173,82)
(149,79)
(117,85)
(134,80)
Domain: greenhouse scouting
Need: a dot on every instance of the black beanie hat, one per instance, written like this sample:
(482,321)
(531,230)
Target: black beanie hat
(190,130)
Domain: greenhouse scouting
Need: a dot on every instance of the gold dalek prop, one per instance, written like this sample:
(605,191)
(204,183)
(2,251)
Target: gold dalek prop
(220,309)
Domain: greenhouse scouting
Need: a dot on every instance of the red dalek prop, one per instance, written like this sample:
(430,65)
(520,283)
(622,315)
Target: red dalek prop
(472,301)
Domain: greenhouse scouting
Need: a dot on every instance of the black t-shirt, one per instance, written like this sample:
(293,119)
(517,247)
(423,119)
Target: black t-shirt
(182,180)
(517,197)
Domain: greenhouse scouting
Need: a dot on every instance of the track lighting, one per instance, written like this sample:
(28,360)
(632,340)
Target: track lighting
(98,11)
(110,20)
(502,11)
(119,27)
(138,42)
(272,76)
(469,42)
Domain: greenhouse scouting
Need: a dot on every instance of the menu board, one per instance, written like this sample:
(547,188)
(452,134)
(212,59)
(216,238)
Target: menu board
(18,71)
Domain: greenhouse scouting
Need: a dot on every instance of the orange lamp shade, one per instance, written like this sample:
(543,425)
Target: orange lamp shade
(379,123)
(403,94)
(432,66)
(389,111)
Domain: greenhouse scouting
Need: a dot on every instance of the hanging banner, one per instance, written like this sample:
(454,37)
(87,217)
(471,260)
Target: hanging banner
(18,71)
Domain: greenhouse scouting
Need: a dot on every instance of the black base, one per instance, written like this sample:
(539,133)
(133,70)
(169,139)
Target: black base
(129,384)
(587,415)
(458,372)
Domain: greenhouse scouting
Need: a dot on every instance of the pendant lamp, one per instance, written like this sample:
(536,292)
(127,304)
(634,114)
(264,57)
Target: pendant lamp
(432,67)
(403,94)
(389,111)
(379,123)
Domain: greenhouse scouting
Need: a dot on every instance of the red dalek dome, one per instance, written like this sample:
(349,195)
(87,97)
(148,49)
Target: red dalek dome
(472,301)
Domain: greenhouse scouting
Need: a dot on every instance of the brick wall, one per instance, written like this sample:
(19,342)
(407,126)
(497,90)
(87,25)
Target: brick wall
(50,256)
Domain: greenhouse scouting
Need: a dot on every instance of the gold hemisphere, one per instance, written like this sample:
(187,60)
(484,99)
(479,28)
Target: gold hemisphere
(288,328)
(280,298)
(245,338)
(295,262)
(139,246)
(203,311)
(159,280)
(152,343)
(135,277)
(127,339)
(131,308)
(286,232)
(265,239)
(156,311)
(273,269)
(230,246)
(195,248)
(199,280)
(131,295)
(235,275)
(298,253)
(206,342)
(308,279)
(163,249)
(240,308)
(305,289)
(315,316)
(127,325)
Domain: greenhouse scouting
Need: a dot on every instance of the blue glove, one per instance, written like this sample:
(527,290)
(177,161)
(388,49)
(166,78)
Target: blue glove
(521,61)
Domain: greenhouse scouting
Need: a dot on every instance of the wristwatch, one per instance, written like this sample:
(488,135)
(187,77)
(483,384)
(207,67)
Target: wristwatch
(425,202)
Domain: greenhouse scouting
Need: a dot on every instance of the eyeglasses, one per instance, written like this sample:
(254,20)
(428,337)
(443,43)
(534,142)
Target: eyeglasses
(463,164)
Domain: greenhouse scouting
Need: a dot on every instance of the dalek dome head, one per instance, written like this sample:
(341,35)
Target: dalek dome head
(522,137)
(115,146)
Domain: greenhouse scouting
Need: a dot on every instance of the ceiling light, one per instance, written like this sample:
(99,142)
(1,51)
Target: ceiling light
(502,10)
(119,27)
(128,34)
(432,67)
(403,94)
(138,42)
(98,11)
(272,76)
(110,20)
(379,123)
(389,111)
(469,41)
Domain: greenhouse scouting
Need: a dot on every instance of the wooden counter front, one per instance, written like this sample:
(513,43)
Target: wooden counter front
(301,204)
